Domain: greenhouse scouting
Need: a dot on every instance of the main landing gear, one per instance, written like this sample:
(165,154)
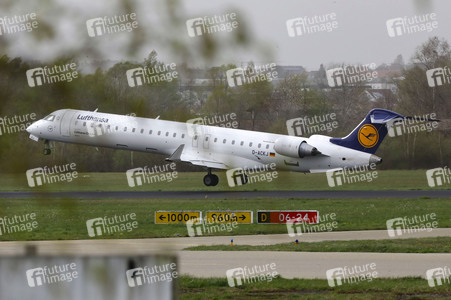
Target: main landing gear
(211,179)
(47,150)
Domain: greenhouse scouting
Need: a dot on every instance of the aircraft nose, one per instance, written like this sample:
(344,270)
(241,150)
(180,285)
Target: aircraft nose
(30,128)
(33,128)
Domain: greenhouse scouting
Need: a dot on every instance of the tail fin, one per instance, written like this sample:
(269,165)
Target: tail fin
(368,135)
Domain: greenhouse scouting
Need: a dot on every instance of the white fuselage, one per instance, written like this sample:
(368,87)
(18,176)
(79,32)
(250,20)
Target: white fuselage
(230,148)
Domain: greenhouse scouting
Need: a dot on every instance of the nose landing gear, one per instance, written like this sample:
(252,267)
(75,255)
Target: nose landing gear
(46,150)
(211,179)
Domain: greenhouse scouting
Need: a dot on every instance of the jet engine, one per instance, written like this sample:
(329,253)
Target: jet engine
(294,147)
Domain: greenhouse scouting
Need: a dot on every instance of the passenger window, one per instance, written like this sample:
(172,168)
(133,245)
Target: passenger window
(159,132)
(242,143)
(133,130)
(224,141)
(117,128)
(183,136)
(84,124)
(206,138)
(259,145)
(150,131)
(167,133)
(233,142)
(267,146)
(250,144)
(142,130)
(174,135)
(125,128)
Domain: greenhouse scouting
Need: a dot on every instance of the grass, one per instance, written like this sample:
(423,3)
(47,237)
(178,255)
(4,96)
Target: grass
(416,245)
(192,181)
(66,218)
(280,288)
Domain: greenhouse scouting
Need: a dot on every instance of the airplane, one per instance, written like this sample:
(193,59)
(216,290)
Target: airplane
(218,147)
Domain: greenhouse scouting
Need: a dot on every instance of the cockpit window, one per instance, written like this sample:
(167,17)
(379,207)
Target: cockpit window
(50,118)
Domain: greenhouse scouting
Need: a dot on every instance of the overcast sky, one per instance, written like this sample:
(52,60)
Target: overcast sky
(361,35)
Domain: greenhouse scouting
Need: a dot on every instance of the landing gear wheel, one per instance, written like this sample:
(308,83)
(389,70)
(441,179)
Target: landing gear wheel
(47,151)
(211,179)
(215,180)
(208,180)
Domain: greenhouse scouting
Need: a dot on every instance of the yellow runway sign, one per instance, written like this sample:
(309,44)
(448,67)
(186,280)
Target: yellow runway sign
(176,217)
(242,217)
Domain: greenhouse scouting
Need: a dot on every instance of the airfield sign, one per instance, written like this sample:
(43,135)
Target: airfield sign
(282,217)
(176,217)
(242,217)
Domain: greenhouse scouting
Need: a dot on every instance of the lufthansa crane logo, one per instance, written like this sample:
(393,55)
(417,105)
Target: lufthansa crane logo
(368,136)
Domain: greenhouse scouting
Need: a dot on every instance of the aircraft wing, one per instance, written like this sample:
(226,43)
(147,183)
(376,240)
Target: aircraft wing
(180,154)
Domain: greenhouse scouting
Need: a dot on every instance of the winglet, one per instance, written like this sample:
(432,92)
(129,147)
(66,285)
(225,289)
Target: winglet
(177,153)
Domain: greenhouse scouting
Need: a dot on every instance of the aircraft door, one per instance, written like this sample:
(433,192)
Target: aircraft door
(65,122)
(195,141)
(207,138)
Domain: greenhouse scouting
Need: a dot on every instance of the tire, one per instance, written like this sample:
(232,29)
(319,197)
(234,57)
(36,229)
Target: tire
(215,180)
(208,180)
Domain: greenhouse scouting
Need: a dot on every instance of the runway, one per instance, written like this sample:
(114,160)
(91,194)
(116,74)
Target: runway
(227,194)
(309,264)
(289,264)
